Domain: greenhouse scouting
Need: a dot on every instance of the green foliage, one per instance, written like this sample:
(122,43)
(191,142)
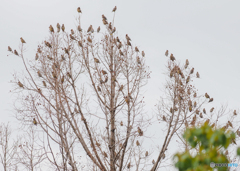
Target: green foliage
(207,142)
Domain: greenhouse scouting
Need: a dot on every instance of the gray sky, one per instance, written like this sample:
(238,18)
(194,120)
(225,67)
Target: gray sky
(205,32)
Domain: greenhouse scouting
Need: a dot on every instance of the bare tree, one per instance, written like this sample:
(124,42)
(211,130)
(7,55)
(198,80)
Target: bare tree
(107,125)
(8,148)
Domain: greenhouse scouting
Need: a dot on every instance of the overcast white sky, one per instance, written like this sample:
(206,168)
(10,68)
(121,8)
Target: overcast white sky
(205,32)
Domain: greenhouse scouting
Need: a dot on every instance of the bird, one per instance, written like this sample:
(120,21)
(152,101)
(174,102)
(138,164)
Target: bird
(62,79)
(119,45)
(89,39)
(211,110)
(48,44)
(96,60)
(15,52)
(20,84)
(79,10)
(9,49)
(230,124)
(22,40)
(99,89)
(98,29)
(72,31)
(103,16)
(190,103)
(204,111)
(58,27)
(192,70)
(89,28)
(143,53)
(51,28)
(197,74)
(195,95)
(206,95)
(129,43)
(164,118)
(114,29)
(104,72)
(106,79)
(127,99)
(197,111)
(105,154)
(79,28)
(105,21)
(129,165)
(163,156)
(153,161)
(179,97)
(190,108)
(121,88)
(44,83)
(210,100)
(72,37)
(54,75)
(101,81)
(69,75)
(195,104)
(36,57)
(187,63)
(201,116)
(114,9)
(110,26)
(80,44)
(39,74)
(137,143)
(120,52)
(235,112)
(63,27)
(138,60)
(172,58)
(188,79)
(127,37)
(121,123)
(118,40)
(66,51)
(166,53)
(34,121)
(136,49)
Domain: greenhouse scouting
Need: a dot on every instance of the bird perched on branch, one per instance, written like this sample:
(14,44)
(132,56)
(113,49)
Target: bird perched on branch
(211,99)
(39,74)
(15,52)
(96,60)
(72,37)
(89,39)
(80,44)
(58,27)
(34,121)
(146,154)
(114,9)
(104,72)
(22,40)
(166,53)
(204,111)
(9,49)
(188,79)
(211,110)
(136,49)
(48,44)
(137,143)
(89,28)
(198,75)
(172,58)
(121,88)
(120,52)
(206,95)
(192,70)
(129,43)
(63,27)
(79,28)
(20,84)
(186,64)
(44,83)
(127,99)
(99,89)
(235,112)
(143,53)
(98,29)
(79,10)
(127,37)
(51,28)
(138,60)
